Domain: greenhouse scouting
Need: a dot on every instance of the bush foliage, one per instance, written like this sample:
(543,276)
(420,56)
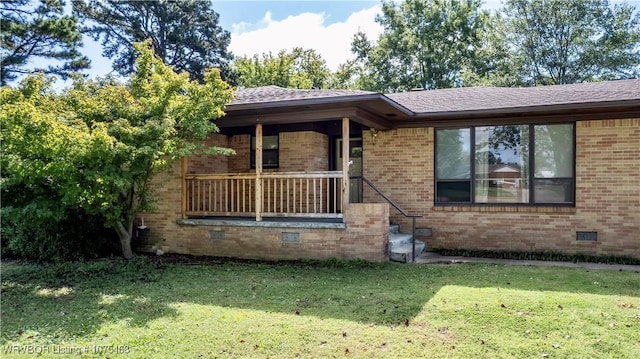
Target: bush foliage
(549,256)
(45,234)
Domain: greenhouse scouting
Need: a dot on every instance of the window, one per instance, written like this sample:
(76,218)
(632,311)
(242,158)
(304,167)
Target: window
(453,165)
(270,151)
(514,164)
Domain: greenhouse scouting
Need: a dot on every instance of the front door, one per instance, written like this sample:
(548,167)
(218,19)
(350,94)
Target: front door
(355,166)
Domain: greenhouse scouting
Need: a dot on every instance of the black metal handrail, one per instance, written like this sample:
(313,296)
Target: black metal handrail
(398,208)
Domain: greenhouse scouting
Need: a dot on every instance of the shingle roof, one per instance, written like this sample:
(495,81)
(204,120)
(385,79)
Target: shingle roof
(277,94)
(490,98)
(450,102)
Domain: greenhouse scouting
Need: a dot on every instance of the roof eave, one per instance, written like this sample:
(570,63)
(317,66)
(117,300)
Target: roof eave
(319,101)
(299,102)
(533,110)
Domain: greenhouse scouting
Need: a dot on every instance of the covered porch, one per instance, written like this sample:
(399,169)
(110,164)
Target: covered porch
(277,213)
(310,193)
(307,174)
(286,193)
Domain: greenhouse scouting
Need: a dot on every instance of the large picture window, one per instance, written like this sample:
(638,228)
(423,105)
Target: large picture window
(516,164)
(270,151)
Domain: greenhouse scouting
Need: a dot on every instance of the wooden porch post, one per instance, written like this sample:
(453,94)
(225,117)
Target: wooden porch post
(345,162)
(183,178)
(258,193)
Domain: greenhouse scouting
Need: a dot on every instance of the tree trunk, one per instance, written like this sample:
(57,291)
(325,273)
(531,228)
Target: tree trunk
(125,240)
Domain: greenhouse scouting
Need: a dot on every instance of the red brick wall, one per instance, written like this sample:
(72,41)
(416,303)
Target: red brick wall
(239,163)
(210,164)
(401,164)
(166,192)
(303,151)
(299,151)
(367,233)
(608,183)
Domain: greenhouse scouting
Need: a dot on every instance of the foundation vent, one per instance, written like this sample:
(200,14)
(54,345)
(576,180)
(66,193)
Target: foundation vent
(216,235)
(291,237)
(586,236)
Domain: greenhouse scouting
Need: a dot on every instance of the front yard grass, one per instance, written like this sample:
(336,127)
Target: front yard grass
(149,309)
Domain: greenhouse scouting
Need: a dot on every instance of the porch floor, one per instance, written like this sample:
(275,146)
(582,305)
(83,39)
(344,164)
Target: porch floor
(269,219)
(271,222)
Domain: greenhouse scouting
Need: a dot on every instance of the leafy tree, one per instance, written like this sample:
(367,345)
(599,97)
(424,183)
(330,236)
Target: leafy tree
(345,77)
(39,219)
(352,75)
(495,62)
(545,42)
(29,31)
(299,68)
(185,34)
(98,144)
(425,44)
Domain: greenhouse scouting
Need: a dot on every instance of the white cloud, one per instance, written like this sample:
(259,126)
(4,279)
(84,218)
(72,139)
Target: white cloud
(306,30)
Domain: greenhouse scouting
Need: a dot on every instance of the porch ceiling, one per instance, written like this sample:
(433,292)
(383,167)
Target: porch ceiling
(293,116)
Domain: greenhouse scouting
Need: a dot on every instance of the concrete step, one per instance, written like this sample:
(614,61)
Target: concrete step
(400,247)
(403,252)
(398,239)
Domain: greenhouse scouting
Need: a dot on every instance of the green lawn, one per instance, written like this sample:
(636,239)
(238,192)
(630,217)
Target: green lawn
(330,309)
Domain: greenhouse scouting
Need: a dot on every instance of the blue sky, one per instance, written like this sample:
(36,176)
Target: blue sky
(235,12)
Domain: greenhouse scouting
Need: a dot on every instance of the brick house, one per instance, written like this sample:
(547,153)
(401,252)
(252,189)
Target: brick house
(542,168)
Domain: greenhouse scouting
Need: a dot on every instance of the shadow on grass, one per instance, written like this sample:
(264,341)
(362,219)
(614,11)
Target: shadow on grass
(74,300)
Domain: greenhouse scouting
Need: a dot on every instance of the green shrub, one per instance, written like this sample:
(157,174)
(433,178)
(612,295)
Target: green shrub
(45,233)
(539,255)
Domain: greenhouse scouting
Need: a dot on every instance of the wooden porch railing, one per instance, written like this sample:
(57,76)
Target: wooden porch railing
(314,194)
